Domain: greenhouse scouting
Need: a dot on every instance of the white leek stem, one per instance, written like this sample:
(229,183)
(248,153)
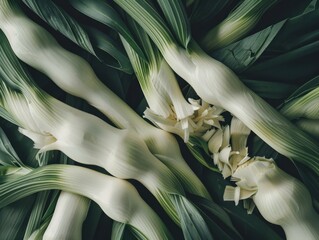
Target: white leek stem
(69,215)
(117,198)
(35,46)
(218,85)
(280,198)
(89,140)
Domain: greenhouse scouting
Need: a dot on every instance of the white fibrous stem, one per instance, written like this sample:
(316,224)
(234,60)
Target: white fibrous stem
(35,46)
(69,215)
(117,198)
(280,198)
(88,140)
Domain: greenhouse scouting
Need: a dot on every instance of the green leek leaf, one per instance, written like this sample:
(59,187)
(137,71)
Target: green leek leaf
(223,226)
(200,151)
(240,55)
(176,17)
(192,223)
(8,156)
(105,14)
(109,51)
(13,218)
(61,21)
(204,10)
(35,219)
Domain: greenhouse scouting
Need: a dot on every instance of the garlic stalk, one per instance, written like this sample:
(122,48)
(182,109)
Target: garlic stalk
(68,217)
(280,198)
(35,46)
(117,198)
(239,22)
(218,85)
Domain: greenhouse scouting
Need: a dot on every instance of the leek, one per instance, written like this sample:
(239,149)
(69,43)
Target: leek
(69,215)
(280,198)
(117,198)
(53,125)
(167,107)
(218,85)
(38,48)
(303,110)
(305,106)
(238,23)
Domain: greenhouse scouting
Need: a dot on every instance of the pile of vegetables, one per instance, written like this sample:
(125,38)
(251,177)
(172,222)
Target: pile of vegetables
(169,119)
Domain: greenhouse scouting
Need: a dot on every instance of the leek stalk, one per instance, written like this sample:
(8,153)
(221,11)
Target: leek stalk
(218,85)
(117,198)
(35,46)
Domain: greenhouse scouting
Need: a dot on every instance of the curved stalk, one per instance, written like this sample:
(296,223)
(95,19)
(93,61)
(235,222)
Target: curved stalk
(218,85)
(117,198)
(35,46)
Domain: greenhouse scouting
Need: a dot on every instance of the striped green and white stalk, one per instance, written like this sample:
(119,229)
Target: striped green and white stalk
(68,217)
(167,107)
(85,138)
(280,198)
(238,23)
(117,198)
(304,111)
(218,85)
(35,46)
(161,91)
(311,126)
(53,125)
(306,106)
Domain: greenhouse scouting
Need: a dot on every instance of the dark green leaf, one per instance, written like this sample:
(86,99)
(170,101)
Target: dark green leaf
(199,149)
(304,89)
(203,10)
(270,90)
(293,54)
(176,17)
(192,223)
(13,217)
(109,51)
(8,155)
(58,19)
(35,219)
(240,55)
(104,13)
(217,217)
